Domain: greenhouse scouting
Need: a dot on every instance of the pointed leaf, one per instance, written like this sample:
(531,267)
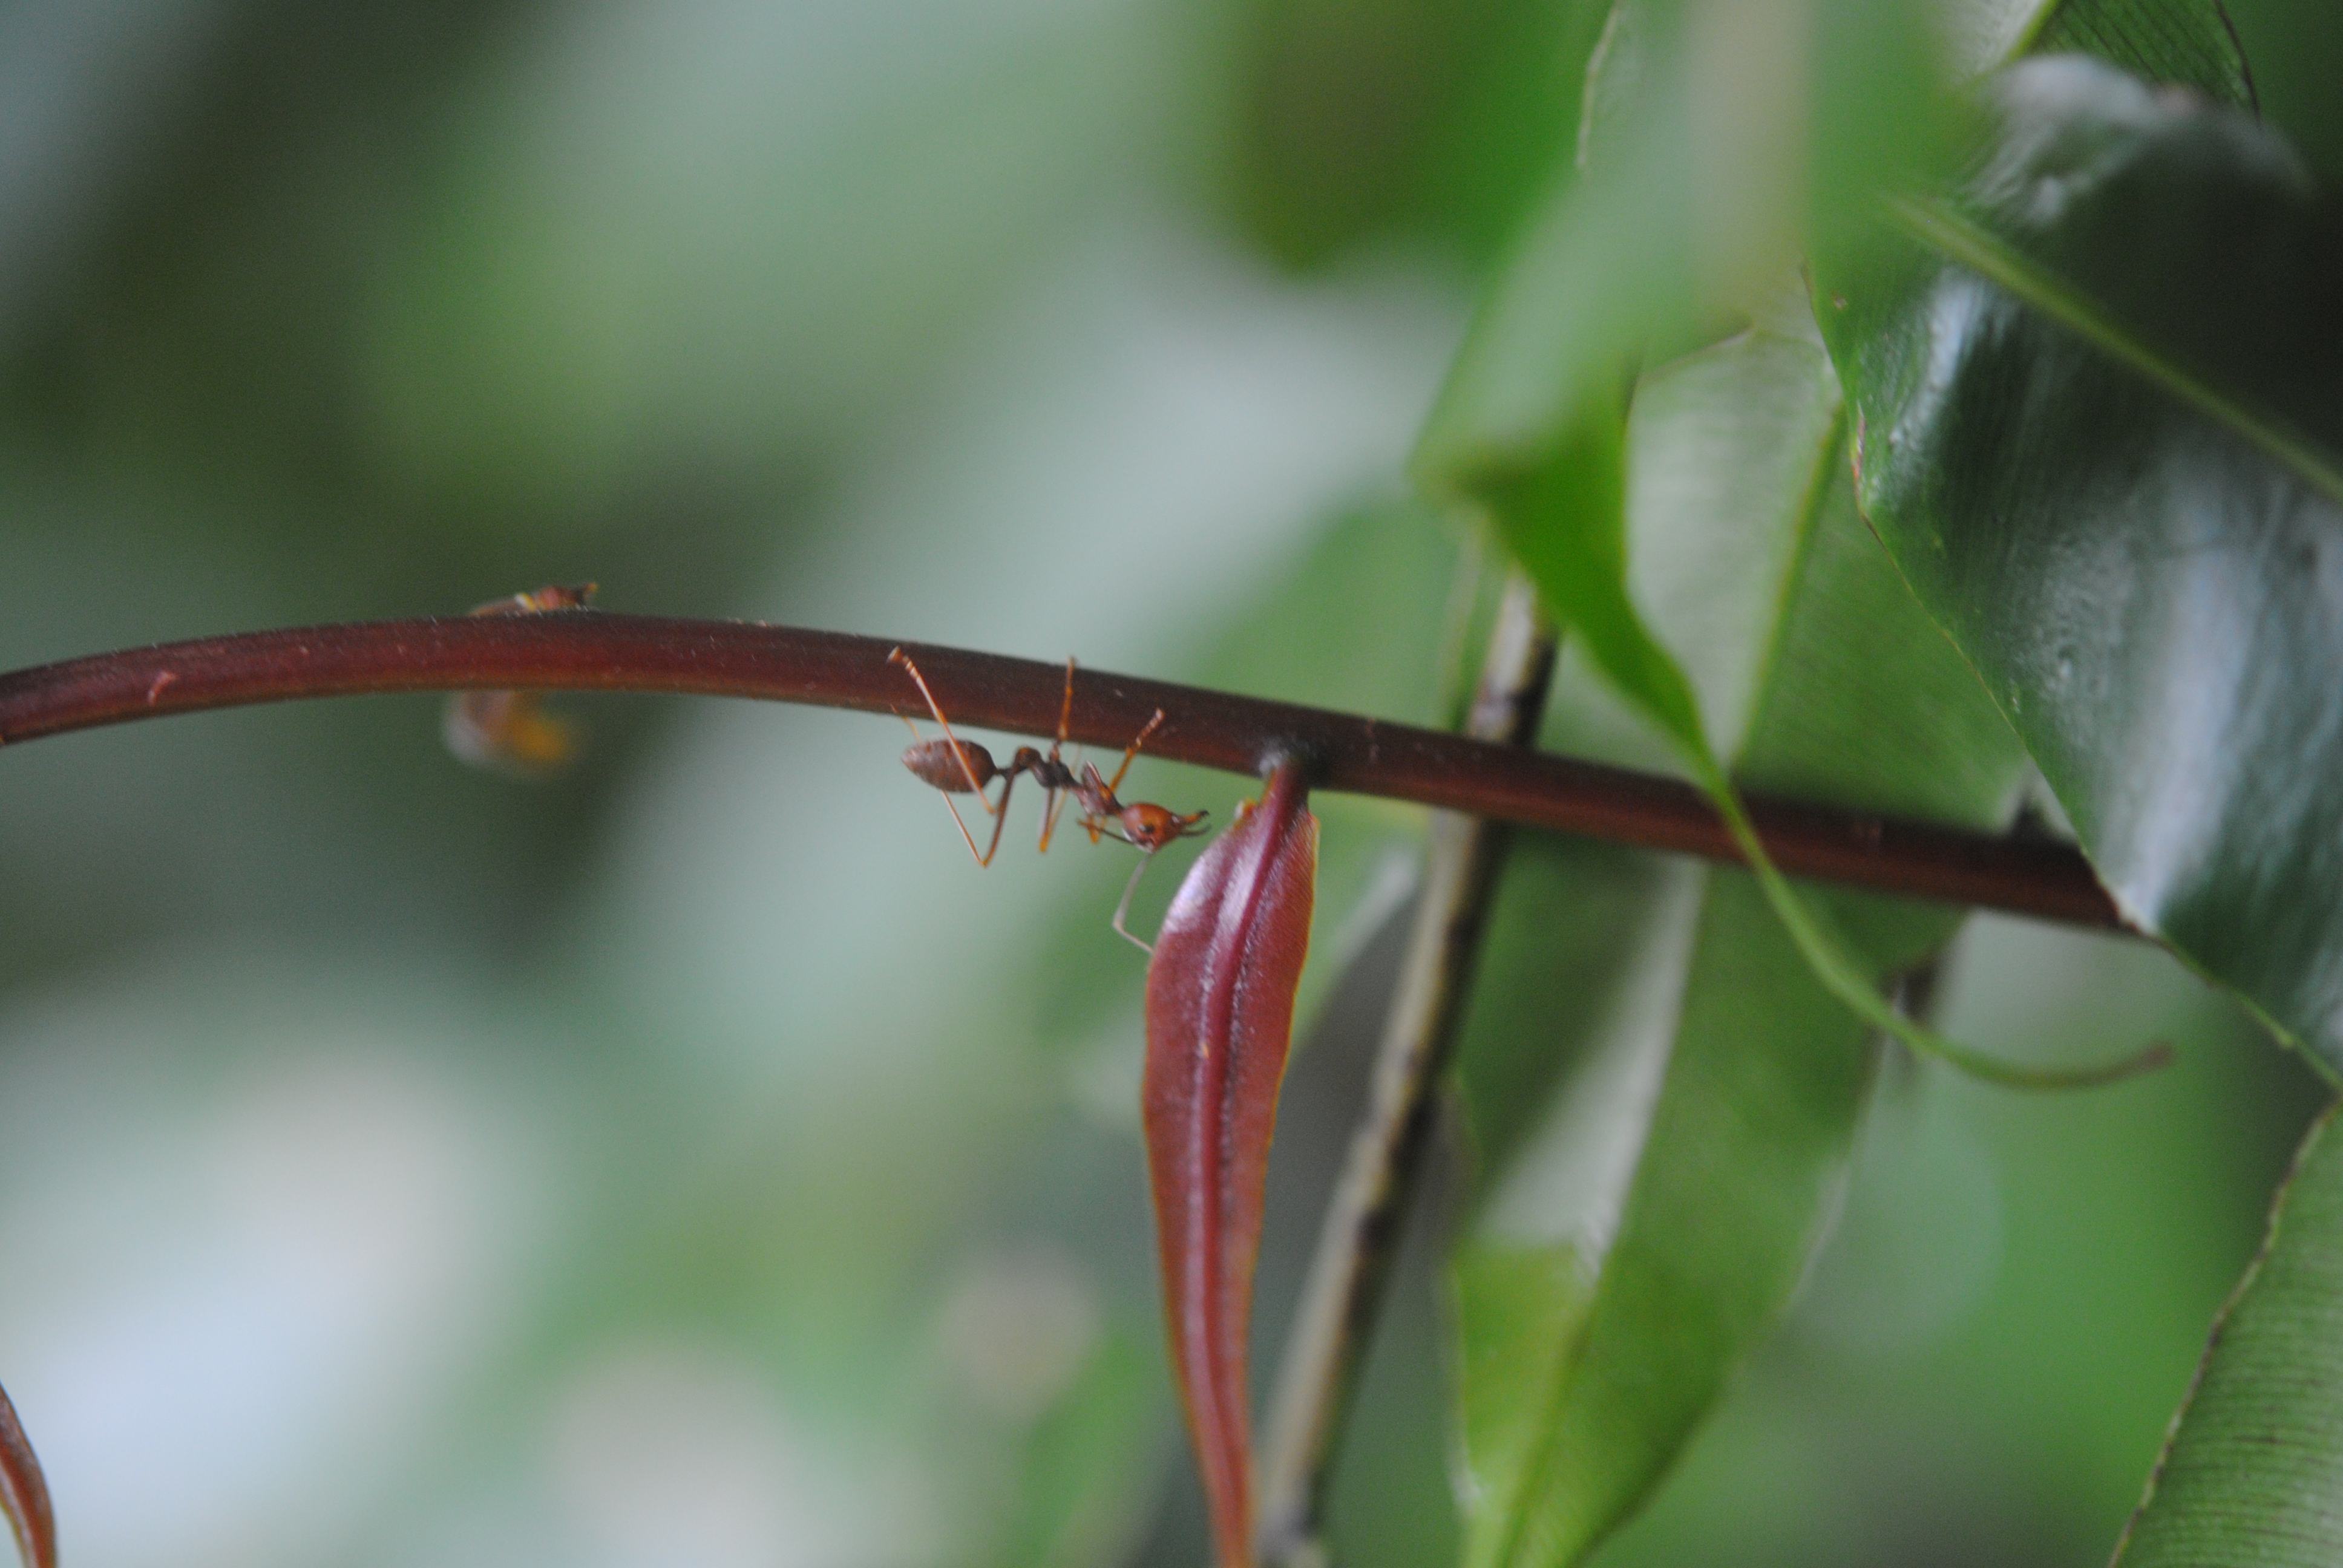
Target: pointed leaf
(25,1493)
(1530,429)
(1220,1019)
(1634,1251)
(2252,1475)
(1637,1248)
(2100,427)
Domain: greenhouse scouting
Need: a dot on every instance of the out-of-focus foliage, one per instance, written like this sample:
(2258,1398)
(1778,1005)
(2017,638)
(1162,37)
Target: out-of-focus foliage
(694,1159)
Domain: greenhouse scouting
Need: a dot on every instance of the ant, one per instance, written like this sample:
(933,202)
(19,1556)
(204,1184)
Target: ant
(957,766)
(510,731)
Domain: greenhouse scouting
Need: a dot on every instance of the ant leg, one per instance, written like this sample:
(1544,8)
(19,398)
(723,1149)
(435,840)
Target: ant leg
(965,836)
(959,756)
(999,820)
(1051,809)
(999,812)
(1115,783)
(1123,908)
(1055,803)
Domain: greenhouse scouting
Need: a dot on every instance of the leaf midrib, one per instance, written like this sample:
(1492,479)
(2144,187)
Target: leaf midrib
(1950,234)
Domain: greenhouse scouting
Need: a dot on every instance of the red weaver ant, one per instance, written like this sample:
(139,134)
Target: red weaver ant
(957,766)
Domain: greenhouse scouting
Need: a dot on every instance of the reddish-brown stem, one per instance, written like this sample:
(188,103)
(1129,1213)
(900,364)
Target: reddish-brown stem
(597,651)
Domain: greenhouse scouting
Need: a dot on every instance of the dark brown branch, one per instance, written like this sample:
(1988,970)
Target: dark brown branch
(593,651)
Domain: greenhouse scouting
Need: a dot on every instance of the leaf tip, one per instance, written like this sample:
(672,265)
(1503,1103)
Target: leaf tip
(25,1493)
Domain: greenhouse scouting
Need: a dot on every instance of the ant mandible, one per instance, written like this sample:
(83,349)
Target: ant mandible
(957,766)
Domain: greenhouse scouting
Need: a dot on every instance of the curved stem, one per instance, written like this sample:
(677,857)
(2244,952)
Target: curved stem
(597,651)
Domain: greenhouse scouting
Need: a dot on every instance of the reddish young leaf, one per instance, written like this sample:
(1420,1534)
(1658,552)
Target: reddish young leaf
(24,1494)
(1219,1017)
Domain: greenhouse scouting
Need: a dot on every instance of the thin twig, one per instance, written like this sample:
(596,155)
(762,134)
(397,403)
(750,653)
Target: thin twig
(592,650)
(1335,1319)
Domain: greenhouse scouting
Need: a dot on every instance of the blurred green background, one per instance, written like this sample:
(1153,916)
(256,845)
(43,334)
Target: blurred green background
(695,1161)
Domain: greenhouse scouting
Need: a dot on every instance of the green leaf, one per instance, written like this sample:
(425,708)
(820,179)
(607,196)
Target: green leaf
(2252,1475)
(2100,402)
(1632,1248)
(1083,1464)
(1529,430)
(1629,1258)
(2187,42)
(1430,119)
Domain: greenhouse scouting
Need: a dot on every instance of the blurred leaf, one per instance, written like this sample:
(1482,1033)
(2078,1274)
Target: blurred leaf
(25,1493)
(2294,47)
(1086,1461)
(2189,43)
(1360,623)
(1622,1314)
(2253,1471)
(1219,1020)
(1530,425)
(1427,116)
(1600,264)
(2101,442)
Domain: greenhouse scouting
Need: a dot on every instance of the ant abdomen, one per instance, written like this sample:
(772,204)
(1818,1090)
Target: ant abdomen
(956,767)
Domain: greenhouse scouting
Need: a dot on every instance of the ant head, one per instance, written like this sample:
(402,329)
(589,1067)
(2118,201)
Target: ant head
(956,769)
(1152,827)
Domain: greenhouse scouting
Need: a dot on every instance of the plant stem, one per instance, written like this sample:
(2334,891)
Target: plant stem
(594,650)
(1335,1320)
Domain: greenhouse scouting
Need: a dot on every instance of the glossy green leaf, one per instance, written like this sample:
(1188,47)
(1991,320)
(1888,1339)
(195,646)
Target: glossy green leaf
(1624,1284)
(1529,430)
(2252,1476)
(1635,1243)
(2100,400)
